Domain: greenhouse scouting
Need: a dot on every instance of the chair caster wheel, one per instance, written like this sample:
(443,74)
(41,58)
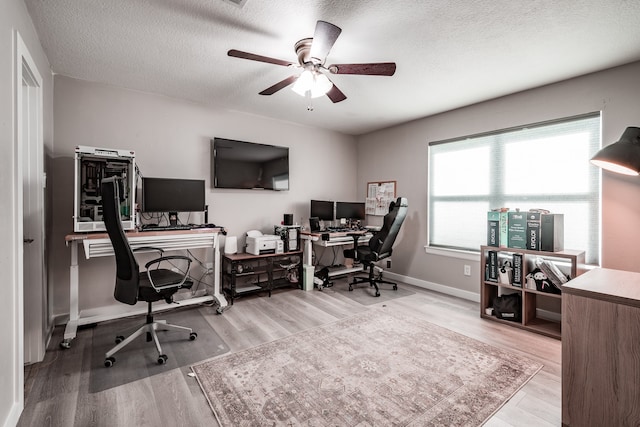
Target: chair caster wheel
(377,294)
(162,359)
(193,336)
(395,287)
(350,288)
(109,361)
(66,344)
(119,339)
(219,310)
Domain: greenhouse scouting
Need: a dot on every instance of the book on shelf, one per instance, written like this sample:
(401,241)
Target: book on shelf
(518,278)
(533,230)
(493,228)
(492,266)
(504,227)
(517,226)
(552,232)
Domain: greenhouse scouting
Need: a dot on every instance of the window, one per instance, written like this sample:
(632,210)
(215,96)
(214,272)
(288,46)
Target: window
(541,166)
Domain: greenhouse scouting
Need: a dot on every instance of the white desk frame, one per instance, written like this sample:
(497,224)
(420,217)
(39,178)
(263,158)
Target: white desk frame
(335,239)
(99,245)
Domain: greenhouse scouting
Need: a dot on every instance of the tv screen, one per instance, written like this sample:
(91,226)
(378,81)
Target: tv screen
(173,195)
(322,209)
(248,165)
(350,210)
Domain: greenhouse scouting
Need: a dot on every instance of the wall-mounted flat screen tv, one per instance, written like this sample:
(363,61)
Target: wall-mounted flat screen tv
(248,165)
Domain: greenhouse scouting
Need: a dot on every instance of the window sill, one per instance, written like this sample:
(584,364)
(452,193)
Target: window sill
(453,253)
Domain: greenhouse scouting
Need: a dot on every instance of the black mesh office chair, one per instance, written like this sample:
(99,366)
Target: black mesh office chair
(132,285)
(380,245)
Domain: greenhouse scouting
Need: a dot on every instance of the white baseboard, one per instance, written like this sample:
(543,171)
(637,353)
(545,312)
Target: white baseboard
(448,290)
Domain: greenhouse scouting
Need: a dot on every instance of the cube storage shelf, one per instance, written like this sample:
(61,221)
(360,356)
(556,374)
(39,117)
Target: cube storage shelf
(571,262)
(244,274)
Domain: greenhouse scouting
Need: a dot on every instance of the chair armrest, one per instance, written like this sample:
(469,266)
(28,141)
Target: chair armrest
(168,258)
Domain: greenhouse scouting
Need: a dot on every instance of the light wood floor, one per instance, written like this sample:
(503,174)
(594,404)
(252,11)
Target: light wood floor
(57,391)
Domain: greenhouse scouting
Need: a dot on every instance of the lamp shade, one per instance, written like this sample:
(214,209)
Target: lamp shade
(622,156)
(311,81)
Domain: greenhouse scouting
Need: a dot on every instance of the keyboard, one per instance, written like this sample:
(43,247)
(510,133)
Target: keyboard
(148,227)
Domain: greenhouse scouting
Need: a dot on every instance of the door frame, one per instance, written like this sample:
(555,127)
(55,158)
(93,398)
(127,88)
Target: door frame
(23,64)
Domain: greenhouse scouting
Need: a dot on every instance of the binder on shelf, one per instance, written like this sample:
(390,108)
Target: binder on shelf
(533,230)
(504,227)
(493,228)
(492,263)
(518,276)
(552,232)
(517,225)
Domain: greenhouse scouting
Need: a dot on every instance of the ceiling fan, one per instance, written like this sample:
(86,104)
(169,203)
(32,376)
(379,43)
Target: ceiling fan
(312,54)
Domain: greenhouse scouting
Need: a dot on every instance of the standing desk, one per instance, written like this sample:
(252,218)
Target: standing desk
(334,239)
(99,245)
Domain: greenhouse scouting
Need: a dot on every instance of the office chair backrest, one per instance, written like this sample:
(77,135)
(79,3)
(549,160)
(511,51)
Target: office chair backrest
(127,280)
(382,242)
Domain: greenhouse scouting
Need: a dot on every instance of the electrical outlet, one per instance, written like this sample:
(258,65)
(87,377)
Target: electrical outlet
(388,263)
(467,270)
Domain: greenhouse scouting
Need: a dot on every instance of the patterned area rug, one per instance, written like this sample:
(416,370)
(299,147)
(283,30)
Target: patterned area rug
(372,369)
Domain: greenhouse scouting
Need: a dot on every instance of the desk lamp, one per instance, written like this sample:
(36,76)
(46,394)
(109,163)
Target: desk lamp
(622,156)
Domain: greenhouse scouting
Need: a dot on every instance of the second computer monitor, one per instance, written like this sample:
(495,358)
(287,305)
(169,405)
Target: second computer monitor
(350,210)
(323,210)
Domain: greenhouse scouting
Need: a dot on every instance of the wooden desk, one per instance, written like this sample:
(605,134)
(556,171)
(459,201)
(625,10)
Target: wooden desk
(601,349)
(98,245)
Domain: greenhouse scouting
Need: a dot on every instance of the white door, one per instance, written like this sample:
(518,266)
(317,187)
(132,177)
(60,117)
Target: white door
(34,278)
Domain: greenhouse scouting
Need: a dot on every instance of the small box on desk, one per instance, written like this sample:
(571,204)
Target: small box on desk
(552,232)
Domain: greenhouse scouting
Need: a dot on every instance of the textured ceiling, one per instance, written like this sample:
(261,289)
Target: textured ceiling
(449,53)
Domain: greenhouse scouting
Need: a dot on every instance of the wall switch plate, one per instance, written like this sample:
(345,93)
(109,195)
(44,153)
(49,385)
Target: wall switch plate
(467,270)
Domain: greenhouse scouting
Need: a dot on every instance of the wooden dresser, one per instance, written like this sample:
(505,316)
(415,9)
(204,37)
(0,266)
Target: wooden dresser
(601,349)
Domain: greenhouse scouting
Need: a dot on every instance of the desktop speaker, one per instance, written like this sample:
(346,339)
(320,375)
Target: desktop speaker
(288,219)
(314,224)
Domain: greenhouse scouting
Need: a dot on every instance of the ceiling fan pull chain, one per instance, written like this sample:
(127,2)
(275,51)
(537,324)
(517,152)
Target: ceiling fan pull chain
(309,100)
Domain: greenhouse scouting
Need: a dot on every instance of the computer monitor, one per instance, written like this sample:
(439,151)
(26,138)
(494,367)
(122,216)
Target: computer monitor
(322,209)
(350,210)
(173,195)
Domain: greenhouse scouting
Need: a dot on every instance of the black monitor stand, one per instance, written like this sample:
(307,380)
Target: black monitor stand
(173,218)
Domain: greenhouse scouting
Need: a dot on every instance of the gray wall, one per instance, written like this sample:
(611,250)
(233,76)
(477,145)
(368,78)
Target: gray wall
(171,138)
(615,92)
(14,16)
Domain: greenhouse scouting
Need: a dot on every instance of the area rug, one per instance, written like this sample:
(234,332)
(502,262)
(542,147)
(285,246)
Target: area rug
(376,368)
(139,359)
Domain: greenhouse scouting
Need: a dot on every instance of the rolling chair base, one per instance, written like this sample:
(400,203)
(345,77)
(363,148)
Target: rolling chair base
(149,329)
(372,283)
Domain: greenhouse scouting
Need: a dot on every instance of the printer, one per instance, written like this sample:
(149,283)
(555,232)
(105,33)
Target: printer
(260,244)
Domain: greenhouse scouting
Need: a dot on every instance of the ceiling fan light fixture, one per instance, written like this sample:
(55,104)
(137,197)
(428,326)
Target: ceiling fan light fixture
(314,82)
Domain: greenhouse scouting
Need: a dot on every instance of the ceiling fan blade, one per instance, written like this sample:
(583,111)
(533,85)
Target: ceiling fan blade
(259,58)
(324,37)
(336,95)
(280,85)
(374,69)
